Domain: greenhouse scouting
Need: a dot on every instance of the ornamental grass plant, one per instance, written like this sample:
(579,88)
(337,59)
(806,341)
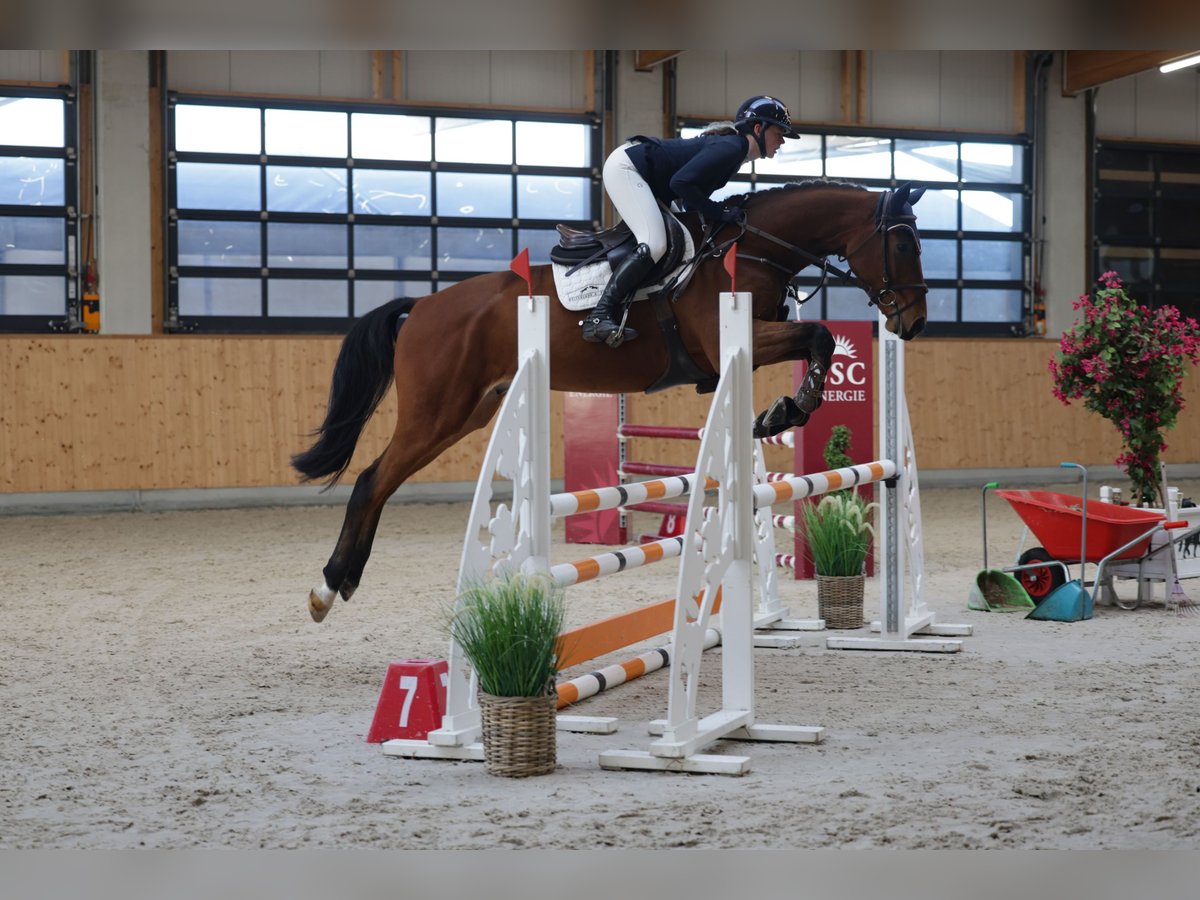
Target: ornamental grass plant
(508,629)
(838,532)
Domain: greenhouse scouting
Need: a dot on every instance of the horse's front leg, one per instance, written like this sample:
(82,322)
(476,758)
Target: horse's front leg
(782,341)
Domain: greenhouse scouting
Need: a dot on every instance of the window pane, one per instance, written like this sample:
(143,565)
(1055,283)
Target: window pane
(927,160)
(474,141)
(539,241)
(474,249)
(848,304)
(941,305)
(217,186)
(218,129)
(553,144)
(219,243)
(370,294)
(307,297)
(392,247)
(858,157)
(992,162)
(384,136)
(553,197)
(306,132)
(32,295)
(32,241)
(392,193)
(220,297)
(31,121)
(937,211)
(983,305)
(992,211)
(995,260)
(799,156)
(939,259)
(1124,212)
(1135,265)
(1177,214)
(30,181)
(733,188)
(306,245)
(482,196)
(1181,267)
(297,189)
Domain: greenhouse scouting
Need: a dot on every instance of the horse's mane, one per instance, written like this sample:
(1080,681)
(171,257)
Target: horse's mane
(742,199)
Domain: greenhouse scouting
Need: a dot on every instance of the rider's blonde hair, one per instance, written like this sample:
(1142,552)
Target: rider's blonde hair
(719,128)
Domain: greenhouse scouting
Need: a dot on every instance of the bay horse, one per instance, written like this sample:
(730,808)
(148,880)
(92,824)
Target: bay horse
(452,354)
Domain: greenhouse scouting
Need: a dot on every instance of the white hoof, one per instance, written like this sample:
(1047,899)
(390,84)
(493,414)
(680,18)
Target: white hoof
(320,601)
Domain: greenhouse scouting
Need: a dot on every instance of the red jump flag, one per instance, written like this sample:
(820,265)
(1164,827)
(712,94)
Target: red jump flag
(730,264)
(520,265)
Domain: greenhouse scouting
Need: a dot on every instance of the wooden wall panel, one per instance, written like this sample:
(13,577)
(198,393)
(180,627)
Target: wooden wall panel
(122,413)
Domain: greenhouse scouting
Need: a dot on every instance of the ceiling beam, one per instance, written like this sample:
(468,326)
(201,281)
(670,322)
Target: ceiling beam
(1083,69)
(645,60)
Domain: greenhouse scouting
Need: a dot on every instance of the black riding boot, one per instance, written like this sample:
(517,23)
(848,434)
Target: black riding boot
(601,323)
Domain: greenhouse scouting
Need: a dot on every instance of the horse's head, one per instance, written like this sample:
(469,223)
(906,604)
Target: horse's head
(887,261)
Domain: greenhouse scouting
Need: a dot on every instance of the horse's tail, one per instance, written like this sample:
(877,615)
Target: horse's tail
(361,377)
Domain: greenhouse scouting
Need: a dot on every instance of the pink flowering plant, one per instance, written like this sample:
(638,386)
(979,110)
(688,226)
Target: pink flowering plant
(1127,363)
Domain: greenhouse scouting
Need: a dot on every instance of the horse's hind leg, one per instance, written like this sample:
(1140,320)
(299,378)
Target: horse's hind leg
(415,444)
(781,341)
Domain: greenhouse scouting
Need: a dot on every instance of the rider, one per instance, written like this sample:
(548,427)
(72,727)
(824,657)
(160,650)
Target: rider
(644,170)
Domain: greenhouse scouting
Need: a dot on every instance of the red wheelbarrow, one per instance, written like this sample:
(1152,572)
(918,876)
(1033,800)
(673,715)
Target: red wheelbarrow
(1076,531)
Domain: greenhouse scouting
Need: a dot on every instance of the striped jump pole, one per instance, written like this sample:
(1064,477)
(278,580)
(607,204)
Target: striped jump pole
(569,504)
(592,683)
(797,487)
(615,561)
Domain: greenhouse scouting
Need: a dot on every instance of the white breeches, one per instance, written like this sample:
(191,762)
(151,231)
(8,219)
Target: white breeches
(631,197)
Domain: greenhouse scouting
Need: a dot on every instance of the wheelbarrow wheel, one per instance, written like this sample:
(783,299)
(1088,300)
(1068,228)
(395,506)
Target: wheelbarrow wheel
(1040,582)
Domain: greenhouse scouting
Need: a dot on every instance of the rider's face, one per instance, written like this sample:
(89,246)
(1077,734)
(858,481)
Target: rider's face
(773,138)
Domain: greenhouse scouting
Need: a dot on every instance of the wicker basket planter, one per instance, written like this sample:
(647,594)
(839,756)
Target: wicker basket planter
(840,600)
(519,737)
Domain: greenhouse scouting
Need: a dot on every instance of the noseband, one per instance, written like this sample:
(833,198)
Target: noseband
(883,227)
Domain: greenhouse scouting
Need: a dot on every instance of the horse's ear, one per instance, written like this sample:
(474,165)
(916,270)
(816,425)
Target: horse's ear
(900,197)
(915,196)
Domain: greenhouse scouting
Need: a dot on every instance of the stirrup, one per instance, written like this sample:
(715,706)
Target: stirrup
(597,329)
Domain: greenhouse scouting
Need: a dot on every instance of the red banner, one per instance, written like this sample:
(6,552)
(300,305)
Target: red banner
(849,401)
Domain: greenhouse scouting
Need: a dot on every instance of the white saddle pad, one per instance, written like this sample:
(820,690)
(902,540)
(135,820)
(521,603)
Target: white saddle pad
(582,290)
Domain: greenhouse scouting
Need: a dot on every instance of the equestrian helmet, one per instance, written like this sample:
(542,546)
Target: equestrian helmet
(767,110)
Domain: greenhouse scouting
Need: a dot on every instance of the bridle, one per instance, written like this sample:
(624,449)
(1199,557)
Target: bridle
(885,297)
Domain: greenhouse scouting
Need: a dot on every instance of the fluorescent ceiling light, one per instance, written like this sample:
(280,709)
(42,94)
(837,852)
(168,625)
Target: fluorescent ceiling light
(1180,64)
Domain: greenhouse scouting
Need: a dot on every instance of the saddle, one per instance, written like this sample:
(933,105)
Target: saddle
(577,248)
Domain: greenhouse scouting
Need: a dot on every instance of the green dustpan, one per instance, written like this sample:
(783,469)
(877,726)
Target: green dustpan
(1070,602)
(994,590)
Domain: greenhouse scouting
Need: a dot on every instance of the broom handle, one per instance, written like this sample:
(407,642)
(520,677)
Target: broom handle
(983,510)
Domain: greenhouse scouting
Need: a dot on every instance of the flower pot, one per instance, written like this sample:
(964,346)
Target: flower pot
(840,600)
(519,737)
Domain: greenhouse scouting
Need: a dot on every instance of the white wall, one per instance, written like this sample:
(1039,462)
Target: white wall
(1151,106)
(540,78)
(1064,182)
(123,225)
(34,65)
(942,89)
